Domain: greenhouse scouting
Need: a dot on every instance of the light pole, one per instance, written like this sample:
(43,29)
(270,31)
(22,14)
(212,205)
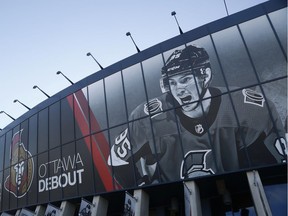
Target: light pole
(173,13)
(7,115)
(59,72)
(35,86)
(16,100)
(129,35)
(89,54)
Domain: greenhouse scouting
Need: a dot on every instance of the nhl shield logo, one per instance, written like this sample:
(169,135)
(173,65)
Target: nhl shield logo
(199,128)
(22,168)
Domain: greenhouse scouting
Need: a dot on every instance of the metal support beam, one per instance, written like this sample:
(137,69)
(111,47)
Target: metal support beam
(142,204)
(259,198)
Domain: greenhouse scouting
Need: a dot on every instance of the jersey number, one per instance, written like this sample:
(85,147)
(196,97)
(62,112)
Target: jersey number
(122,144)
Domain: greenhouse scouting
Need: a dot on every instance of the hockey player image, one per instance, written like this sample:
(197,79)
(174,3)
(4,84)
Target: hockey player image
(194,129)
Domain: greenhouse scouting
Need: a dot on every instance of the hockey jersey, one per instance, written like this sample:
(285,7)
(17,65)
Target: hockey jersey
(240,130)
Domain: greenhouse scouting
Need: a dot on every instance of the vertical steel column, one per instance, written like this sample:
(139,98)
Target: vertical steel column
(40,210)
(67,208)
(142,203)
(100,206)
(192,198)
(259,198)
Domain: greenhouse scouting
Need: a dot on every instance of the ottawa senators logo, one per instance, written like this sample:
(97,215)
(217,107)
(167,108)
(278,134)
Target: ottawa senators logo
(22,168)
(195,164)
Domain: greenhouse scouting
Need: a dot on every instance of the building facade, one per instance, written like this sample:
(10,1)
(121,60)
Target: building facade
(193,125)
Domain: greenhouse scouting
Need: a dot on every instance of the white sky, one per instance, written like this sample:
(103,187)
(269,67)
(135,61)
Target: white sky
(38,38)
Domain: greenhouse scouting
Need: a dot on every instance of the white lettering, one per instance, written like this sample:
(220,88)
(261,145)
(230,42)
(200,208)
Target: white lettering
(63,180)
(42,170)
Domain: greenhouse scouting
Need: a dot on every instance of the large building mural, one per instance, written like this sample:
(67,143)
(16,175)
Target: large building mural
(208,102)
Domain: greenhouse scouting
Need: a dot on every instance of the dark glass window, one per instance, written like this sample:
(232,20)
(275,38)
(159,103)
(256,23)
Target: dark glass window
(100,152)
(234,58)
(67,119)
(43,139)
(69,185)
(265,51)
(152,75)
(2,146)
(277,198)
(134,87)
(7,153)
(279,22)
(33,134)
(115,99)
(81,113)
(54,125)
(84,166)
(98,114)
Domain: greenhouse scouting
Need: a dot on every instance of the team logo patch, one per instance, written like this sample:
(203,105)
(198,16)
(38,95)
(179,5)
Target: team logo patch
(153,107)
(22,168)
(194,164)
(253,97)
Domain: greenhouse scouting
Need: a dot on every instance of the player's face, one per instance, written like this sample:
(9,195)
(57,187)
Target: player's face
(184,90)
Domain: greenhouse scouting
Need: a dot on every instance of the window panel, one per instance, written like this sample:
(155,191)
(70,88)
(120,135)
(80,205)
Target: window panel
(43,174)
(233,57)
(120,143)
(277,198)
(277,88)
(33,133)
(81,113)
(55,169)
(67,119)
(264,49)
(115,99)
(7,149)
(84,167)
(134,87)
(279,22)
(217,75)
(6,195)
(54,125)
(101,150)
(70,188)
(32,194)
(98,116)
(2,146)
(1,188)
(152,73)
(43,130)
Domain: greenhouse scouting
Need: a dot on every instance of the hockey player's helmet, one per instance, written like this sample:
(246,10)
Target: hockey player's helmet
(190,59)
